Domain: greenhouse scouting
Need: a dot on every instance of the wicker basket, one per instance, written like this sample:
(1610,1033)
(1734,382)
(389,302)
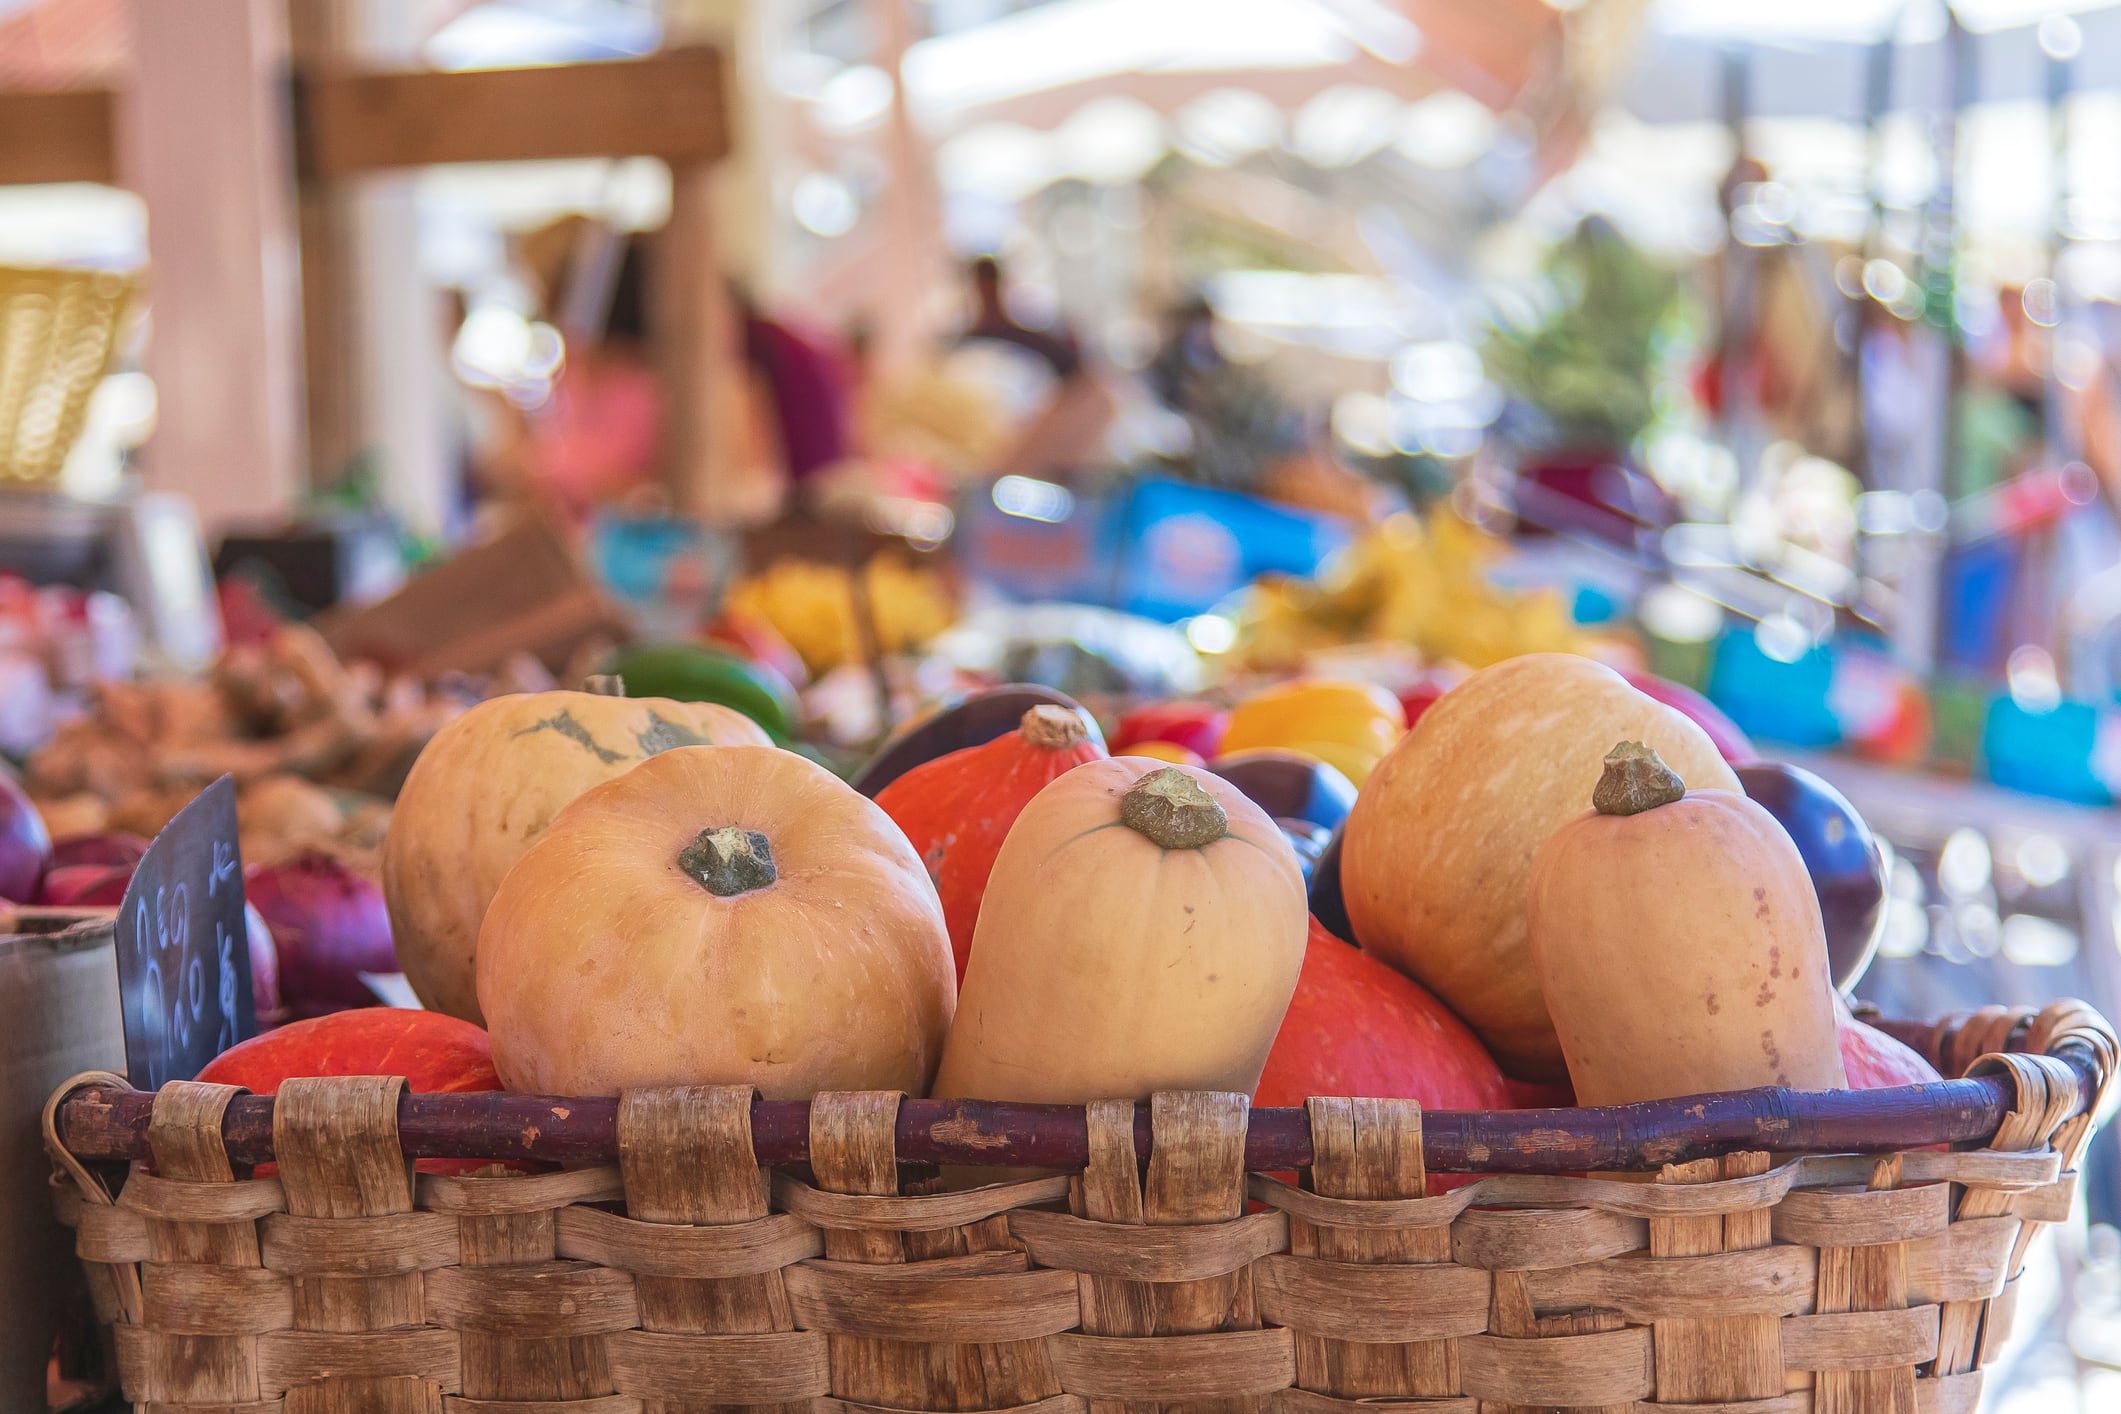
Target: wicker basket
(679,1274)
(58,330)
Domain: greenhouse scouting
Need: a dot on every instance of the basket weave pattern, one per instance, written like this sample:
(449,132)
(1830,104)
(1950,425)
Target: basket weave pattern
(686,1278)
(58,331)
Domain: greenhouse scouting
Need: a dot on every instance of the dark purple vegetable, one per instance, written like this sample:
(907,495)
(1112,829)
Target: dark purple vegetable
(975,721)
(1289,785)
(1308,840)
(25,847)
(1327,906)
(1845,860)
(111,848)
(328,926)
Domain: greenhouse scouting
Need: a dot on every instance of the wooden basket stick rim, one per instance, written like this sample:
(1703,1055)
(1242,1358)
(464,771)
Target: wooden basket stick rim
(105,1121)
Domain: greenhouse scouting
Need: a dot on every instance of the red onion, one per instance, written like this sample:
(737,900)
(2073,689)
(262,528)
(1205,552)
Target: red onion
(25,848)
(113,847)
(264,966)
(84,885)
(328,925)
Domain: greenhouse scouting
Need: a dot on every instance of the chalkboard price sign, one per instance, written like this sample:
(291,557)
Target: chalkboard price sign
(183,951)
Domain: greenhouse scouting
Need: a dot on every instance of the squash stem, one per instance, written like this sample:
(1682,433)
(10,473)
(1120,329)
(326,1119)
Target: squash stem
(729,861)
(1169,808)
(1051,727)
(1636,779)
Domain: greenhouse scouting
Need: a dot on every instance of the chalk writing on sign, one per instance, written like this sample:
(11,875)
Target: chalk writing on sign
(183,953)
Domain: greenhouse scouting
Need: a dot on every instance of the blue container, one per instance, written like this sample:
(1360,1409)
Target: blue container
(2046,753)
(1772,699)
(1188,547)
(1163,549)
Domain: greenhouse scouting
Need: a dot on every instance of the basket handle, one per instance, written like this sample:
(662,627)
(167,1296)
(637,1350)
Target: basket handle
(92,1188)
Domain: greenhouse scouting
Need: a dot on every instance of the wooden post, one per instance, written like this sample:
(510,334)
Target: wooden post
(321,33)
(911,251)
(375,358)
(203,138)
(716,230)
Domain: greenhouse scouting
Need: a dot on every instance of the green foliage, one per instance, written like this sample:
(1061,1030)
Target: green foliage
(1588,360)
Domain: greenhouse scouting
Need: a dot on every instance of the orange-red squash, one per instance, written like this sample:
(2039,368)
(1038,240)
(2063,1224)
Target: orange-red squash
(1358,1027)
(958,808)
(1874,1060)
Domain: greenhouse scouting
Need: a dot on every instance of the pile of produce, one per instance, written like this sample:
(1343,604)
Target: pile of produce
(812,606)
(1406,581)
(1553,883)
(317,747)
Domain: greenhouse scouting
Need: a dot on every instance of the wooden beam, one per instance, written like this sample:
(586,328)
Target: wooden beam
(670,105)
(67,135)
(204,142)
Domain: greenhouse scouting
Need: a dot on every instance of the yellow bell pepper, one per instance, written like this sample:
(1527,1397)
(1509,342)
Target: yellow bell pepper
(1350,725)
(1166,751)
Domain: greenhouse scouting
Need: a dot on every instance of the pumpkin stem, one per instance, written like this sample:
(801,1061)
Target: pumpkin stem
(1169,808)
(729,861)
(604,685)
(1050,727)
(1636,779)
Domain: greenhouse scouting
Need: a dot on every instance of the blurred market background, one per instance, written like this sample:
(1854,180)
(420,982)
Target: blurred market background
(1138,348)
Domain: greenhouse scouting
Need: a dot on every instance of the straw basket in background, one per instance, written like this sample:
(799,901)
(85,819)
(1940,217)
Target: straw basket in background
(697,1248)
(58,331)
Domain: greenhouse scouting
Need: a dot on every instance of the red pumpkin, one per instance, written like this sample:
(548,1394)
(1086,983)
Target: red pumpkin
(958,808)
(436,1053)
(1540,1095)
(1876,1061)
(1197,726)
(1358,1027)
(1420,698)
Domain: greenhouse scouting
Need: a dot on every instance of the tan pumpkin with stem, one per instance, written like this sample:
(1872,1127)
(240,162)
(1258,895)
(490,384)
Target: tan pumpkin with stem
(1677,939)
(487,786)
(718,915)
(1142,930)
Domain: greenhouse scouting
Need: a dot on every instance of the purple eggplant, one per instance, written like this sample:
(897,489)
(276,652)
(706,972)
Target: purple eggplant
(1289,785)
(977,720)
(1308,840)
(1327,906)
(1847,865)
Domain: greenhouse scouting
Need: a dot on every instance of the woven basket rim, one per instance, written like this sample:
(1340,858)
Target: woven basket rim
(100,1117)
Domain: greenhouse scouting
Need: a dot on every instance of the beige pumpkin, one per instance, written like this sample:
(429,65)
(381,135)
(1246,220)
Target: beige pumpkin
(486,786)
(1677,939)
(1142,930)
(1439,846)
(718,915)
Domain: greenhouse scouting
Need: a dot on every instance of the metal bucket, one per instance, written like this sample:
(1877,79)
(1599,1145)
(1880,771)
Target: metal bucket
(59,1016)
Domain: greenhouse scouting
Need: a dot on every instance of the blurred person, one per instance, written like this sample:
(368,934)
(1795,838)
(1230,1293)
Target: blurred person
(1059,404)
(809,376)
(597,437)
(1240,425)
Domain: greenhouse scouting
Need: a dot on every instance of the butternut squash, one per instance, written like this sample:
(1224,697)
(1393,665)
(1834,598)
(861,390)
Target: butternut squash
(1678,943)
(1142,930)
